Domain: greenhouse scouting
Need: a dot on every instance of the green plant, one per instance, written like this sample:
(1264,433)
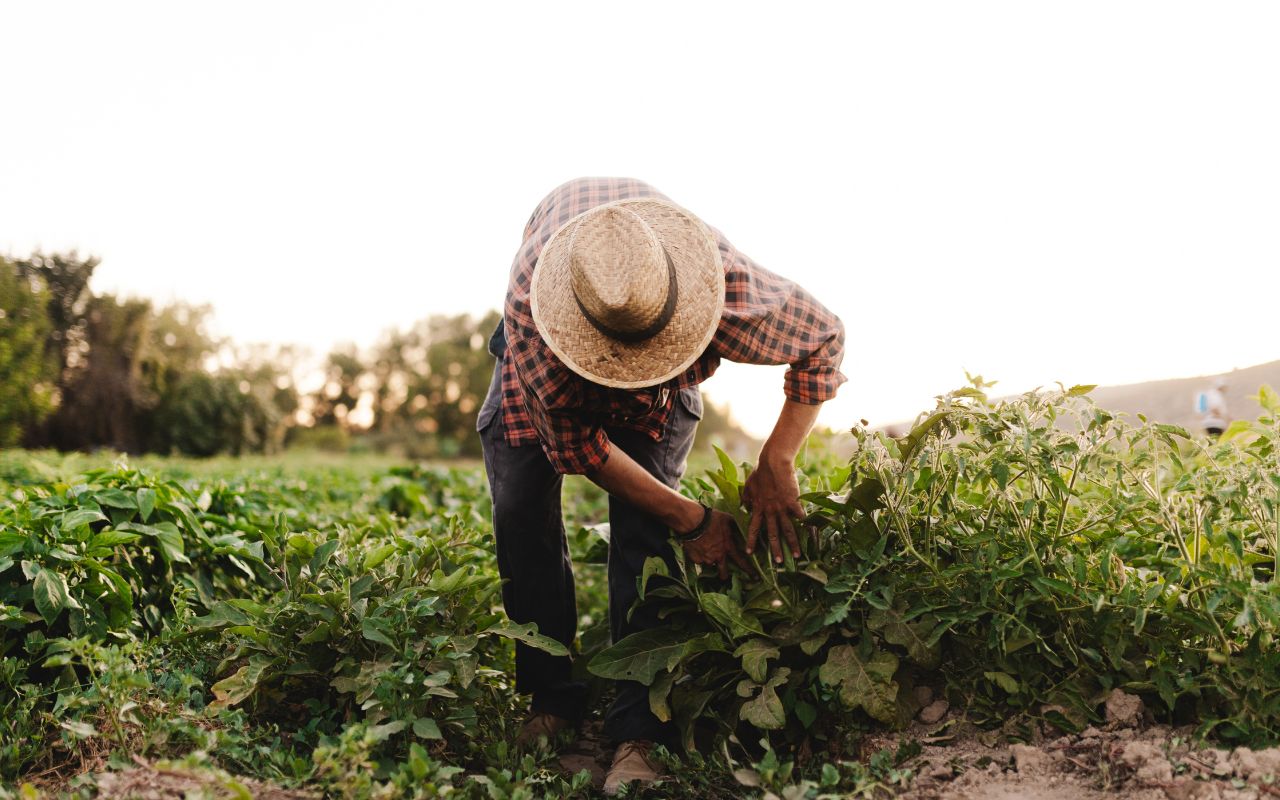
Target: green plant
(1050,551)
(398,627)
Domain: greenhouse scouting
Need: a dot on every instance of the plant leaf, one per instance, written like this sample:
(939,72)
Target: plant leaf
(765,710)
(49,593)
(725,610)
(528,633)
(868,684)
(755,655)
(146,503)
(238,686)
(914,635)
(426,728)
(1004,680)
(81,516)
(641,656)
(658,696)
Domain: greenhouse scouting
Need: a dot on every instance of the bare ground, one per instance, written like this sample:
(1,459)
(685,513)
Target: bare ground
(157,782)
(1125,759)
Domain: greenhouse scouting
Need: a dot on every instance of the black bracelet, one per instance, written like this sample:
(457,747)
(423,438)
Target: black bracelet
(697,532)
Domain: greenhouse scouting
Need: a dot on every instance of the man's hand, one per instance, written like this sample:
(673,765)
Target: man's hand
(717,545)
(773,497)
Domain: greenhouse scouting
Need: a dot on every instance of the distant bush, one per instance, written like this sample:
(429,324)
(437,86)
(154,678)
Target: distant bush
(325,438)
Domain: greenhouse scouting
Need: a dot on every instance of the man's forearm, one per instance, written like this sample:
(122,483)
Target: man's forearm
(622,477)
(793,426)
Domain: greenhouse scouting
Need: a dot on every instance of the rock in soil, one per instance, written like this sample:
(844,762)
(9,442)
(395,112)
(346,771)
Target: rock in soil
(1148,762)
(1123,710)
(1192,790)
(923,695)
(934,712)
(1030,760)
(1256,763)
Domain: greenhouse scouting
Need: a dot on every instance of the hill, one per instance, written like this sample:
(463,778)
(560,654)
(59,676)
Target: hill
(1173,401)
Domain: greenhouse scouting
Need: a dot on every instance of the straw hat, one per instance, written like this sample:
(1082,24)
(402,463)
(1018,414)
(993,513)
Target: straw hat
(628,294)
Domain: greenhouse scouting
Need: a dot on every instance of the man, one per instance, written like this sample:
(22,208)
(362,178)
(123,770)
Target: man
(619,304)
(1212,407)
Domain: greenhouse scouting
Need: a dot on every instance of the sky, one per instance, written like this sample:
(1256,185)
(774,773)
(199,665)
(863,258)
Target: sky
(1034,192)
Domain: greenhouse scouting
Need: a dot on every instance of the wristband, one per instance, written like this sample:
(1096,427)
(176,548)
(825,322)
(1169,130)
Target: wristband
(696,533)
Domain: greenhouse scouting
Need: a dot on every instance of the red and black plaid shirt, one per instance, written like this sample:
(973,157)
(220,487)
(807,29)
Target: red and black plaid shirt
(766,320)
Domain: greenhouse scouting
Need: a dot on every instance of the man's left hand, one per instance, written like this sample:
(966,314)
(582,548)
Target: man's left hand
(773,497)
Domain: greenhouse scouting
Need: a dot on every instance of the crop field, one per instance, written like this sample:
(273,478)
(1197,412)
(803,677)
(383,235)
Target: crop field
(1010,573)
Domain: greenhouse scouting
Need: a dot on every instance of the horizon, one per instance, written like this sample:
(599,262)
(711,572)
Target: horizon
(1007,190)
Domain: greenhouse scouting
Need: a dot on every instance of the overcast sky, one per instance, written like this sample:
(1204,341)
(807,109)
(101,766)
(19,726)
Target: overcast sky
(1037,192)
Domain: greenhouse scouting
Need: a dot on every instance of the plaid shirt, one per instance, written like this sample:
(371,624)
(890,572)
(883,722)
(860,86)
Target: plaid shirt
(766,320)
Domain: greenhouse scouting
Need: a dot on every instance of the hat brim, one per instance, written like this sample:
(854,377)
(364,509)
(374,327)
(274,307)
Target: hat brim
(608,361)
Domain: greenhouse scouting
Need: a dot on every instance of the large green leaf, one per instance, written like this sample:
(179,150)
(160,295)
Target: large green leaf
(119,586)
(528,633)
(377,555)
(866,684)
(765,709)
(146,503)
(242,683)
(653,565)
(115,498)
(11,542)
(658,696)
(641,656)
(81,516)
(426,728)
(915,635)
(108,539)
(913,440)
(755,655)
(49,593)
(725,610)
(166,535)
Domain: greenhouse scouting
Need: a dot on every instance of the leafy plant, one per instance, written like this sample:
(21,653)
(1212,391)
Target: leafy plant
(99,558)
(1049,550)
(398,627)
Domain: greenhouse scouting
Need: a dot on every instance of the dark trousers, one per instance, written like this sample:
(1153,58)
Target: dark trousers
(533,558)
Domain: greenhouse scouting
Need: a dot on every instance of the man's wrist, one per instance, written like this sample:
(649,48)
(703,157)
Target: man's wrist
(775,456)
(704,524)
(685,516)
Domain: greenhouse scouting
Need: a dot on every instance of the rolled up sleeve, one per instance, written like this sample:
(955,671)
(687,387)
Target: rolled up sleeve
(768,319)
(574,448)
(572,441)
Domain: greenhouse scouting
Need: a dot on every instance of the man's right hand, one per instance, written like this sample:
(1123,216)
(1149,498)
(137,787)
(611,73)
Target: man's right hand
(718,545)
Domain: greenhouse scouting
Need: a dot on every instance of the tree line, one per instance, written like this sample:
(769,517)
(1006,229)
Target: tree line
(84,371)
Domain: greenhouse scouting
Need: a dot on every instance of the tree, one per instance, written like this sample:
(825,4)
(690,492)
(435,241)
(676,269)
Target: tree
(26,379)
(64,278)
(246,408)
(104,390)
(338,396)
(430,382)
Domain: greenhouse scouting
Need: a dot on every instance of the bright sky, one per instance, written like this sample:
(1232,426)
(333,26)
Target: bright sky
(1084,192)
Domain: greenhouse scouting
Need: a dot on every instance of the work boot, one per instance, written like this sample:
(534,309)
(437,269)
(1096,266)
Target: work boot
(632,762)
(538,727)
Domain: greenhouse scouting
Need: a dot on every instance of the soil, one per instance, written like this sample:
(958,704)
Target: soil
(1125,759)
(147,782)
(591,751)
